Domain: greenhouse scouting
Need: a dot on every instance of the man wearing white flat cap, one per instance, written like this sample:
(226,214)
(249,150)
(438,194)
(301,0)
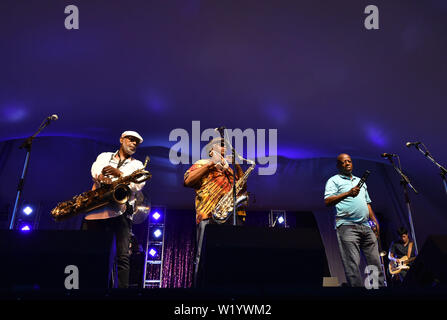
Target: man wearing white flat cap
(108,167)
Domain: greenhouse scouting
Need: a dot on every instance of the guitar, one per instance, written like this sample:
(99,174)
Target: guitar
(396,267)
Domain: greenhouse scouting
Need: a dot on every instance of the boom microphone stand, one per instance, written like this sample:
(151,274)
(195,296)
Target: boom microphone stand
(405,183)
(222,132)
(233,154)
(427,154)
(27,145)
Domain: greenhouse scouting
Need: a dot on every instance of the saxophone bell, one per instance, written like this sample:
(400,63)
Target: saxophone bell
(241,200)
(220,218)
(121,194)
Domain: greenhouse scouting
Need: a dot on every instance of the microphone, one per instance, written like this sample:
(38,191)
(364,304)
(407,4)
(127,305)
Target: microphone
(222,134)
(220,129)
(388,155)
(53,117)
(409,144)
(364,178)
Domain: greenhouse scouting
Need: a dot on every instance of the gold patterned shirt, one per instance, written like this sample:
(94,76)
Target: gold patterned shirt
(211,187)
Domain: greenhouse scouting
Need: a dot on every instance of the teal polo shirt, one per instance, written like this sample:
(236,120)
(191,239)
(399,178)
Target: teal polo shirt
(350,210)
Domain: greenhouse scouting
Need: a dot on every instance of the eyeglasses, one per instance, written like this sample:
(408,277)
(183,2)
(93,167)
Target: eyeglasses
(133,139)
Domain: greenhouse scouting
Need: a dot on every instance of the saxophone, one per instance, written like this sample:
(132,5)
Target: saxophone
(118,191)
(224,208)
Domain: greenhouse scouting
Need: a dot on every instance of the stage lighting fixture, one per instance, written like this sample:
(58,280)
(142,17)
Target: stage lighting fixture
(157,233)
(153,252)
(27,210)
(25,227)
(278,219)
(156,216)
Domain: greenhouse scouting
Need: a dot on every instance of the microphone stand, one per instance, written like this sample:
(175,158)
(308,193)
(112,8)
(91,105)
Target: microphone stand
(427,154)
(25,145)
(234,187)
(225,141)
(405,182)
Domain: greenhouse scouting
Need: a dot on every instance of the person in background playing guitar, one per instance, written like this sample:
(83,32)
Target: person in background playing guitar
(401,255)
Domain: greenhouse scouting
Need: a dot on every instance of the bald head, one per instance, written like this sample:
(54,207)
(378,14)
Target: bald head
(342,156)
(344,164)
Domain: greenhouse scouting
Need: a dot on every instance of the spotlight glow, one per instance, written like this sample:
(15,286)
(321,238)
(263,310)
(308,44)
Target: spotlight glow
(280,219)
(156,215)
(157,233)
(152,252)
(25,228)
(28,210)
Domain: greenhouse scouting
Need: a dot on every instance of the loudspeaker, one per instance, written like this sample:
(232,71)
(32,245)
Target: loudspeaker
(429,269)
(246,257)
(38,259)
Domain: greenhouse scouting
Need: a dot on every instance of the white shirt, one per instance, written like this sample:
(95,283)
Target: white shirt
(127,167)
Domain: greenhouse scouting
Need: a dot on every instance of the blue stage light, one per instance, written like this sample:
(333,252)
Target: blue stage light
(156,216)
(27,210)
(25,227)
(157,233)
(280,219)
(153,252)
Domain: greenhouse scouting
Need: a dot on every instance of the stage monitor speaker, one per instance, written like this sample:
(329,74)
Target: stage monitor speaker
(246,257)
(429,269)
(38,259)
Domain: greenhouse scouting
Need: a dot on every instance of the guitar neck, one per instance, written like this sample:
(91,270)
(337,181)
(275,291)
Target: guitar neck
(410,260)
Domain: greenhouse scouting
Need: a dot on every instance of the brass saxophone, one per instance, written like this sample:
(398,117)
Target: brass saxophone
(118,191)
(224,208)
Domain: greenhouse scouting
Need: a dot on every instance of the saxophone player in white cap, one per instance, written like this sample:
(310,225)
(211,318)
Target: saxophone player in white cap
(108,167)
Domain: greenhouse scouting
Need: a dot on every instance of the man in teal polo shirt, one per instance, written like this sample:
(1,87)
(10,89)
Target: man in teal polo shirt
(353,210)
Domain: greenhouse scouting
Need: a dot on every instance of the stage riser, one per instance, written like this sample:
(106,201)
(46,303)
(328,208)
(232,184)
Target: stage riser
(253,257)
(38,259)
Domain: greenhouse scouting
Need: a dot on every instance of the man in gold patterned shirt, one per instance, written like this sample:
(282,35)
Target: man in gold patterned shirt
(211,178)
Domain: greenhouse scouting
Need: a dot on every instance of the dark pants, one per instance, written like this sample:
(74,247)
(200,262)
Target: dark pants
(351,240)
(120,226)
(200,231)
